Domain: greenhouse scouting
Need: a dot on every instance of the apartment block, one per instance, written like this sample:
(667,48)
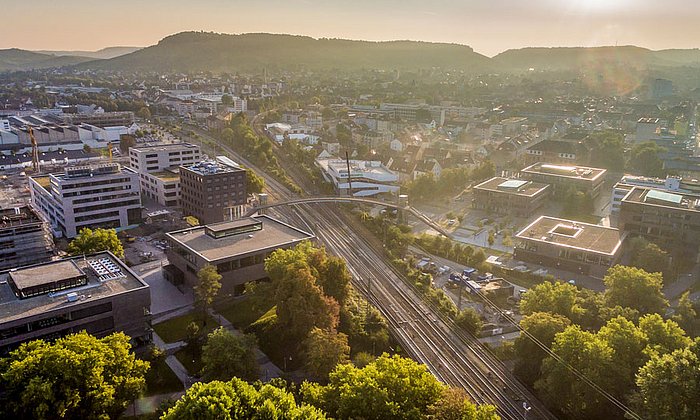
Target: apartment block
(97,293)
(96,196)
(158,169)
(25,238)
(671,220)
(516,197)
(569,245)
(213,191)
(237,249)
(565,177)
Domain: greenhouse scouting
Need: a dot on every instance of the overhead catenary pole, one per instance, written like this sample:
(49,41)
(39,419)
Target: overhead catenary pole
(347,161)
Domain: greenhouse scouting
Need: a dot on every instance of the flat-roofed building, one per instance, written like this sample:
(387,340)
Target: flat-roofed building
(97,293)
(569,245)
(237,249)
(25,238)
(95,196)
(516,197)
(158,168)
(627,182)
(563,177)
(213,191)
(670,220)
(368,177)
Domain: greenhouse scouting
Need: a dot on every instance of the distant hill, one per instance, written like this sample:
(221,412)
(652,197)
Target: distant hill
(104,53)
(574,57)
(193,51)
(15,59)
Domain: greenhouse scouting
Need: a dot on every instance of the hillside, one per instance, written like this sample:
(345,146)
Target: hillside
(15,59)
(104,53)
(192,51)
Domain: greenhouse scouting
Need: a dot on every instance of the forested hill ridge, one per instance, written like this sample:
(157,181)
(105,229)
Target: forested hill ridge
(571,58)
(194,51)
(15,59)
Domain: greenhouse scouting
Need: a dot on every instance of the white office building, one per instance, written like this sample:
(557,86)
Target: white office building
(95,196)
(625,185)
(158,169)
(368,177)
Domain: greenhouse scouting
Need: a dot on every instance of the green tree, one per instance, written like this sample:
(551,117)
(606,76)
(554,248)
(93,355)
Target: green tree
(469,321)
(238,400)
(651,258)
(225,356)
(669,385)
(685,314)
(455,404)
(144,113)
(484,171)
(255,184)
(664,335)
(207,288)
(554,297)
(78,376)
(627,343)
(226,100)
(558,386)
(645,159)
(608,150)
(227,135)
(388,388)
(324,350)
(544,326)
(631,287)
(90,241)
(491,239)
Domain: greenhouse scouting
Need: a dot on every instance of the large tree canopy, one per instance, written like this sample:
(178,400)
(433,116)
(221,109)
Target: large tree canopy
(89,241)
(631,287)
(76,377)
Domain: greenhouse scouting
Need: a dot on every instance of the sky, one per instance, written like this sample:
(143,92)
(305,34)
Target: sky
(489,26)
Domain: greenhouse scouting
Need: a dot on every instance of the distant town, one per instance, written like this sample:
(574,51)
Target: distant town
(484,226)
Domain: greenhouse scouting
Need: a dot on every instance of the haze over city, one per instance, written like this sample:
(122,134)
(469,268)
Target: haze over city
(489,27)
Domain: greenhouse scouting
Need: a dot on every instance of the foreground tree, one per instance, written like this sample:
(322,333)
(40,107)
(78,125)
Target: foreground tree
(469,320)
(544,327)
(631,287)
(208,287)
(669,385)
(554,297)
(560,388)
(90,241)
(388,388)
(76,377)
(254,183)
(454,404)
(324,350)
(238,400)
(225,356)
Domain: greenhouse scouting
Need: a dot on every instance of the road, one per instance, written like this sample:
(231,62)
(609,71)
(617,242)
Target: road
(454,357)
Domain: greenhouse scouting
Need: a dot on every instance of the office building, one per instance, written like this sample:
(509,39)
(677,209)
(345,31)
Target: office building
(25,238)
(569,245)
(670,220)
(96,196)
(516,197)
(627,182)
(100,119)
(237,249)
(97,293)
(563,178)
(213,191)
(158,169)
(368,177)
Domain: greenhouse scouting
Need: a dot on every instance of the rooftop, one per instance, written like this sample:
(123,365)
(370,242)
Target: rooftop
(358,168)
(581,172)
(18,216)
(167,175)
(573,234)
(211,167)
(163,147)
(272,235)
(512,186)
(99,284)
(660,198)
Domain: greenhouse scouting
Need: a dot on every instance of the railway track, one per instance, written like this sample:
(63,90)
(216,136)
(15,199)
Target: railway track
(454,357)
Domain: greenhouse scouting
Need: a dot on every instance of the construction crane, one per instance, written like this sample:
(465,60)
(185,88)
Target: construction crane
(35,151)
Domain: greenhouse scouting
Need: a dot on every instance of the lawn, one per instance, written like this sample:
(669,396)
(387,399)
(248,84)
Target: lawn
(160,379)
(192,364)
(240,313)
(175,329)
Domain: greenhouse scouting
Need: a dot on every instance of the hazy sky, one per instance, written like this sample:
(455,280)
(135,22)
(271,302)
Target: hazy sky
(489,26)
